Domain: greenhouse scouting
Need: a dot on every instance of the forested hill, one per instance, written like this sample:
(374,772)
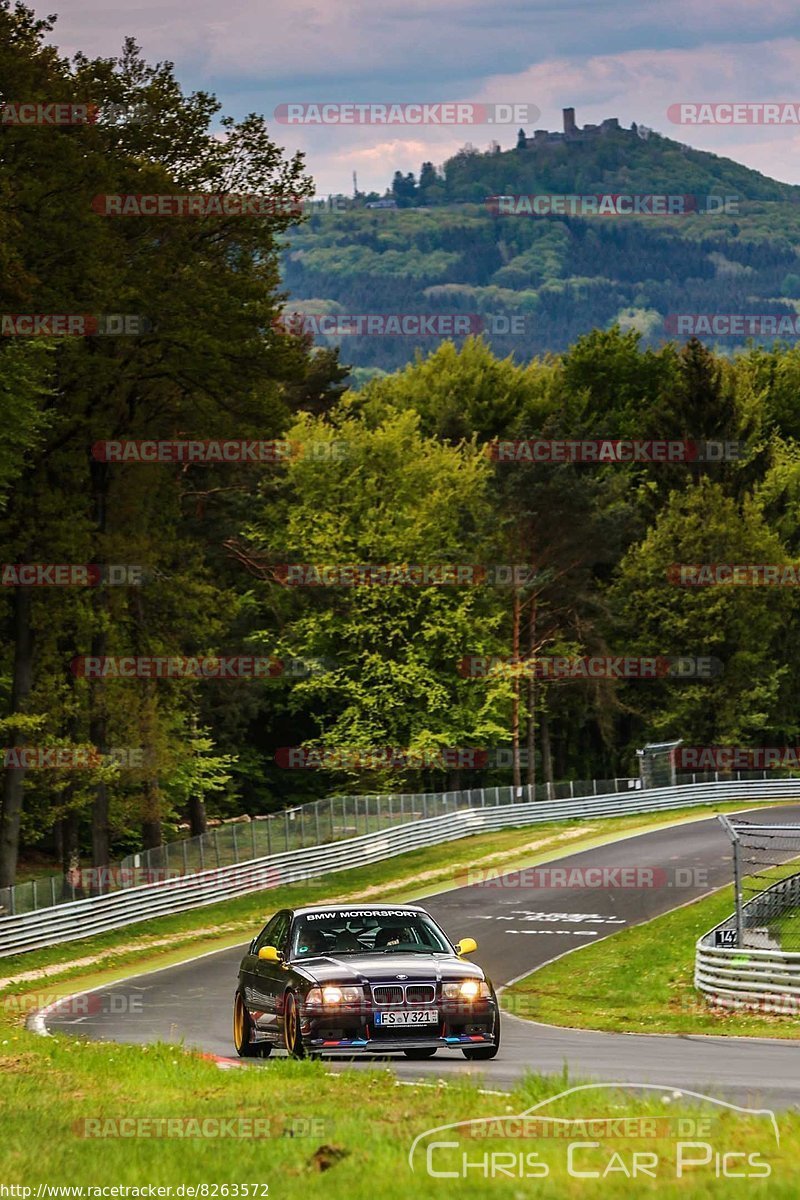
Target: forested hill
(617,161)
(559,276)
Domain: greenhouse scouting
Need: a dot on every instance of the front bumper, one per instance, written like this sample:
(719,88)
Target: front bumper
(352,1029)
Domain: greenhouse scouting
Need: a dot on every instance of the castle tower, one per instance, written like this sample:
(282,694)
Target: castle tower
(569,121)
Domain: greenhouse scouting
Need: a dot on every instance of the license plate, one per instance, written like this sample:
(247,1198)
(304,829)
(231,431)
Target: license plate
(414,1016)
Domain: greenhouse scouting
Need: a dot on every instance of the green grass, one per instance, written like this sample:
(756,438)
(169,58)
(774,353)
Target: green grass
(640,980)
(351,1133)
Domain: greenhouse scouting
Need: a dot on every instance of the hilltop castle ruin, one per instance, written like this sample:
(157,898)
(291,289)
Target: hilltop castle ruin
(572,133)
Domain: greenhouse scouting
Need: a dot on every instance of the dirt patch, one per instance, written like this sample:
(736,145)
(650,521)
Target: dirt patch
(487,860)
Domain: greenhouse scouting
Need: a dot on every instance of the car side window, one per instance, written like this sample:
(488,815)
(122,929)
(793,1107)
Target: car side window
(280,933)
(265,938)
(274,934)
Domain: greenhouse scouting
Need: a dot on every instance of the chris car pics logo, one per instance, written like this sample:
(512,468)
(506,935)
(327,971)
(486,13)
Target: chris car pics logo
(699,1142)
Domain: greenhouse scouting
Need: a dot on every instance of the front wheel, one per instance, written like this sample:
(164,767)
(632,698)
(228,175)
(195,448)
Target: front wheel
(426,1052)
(292,1038)
(483,1053)
(243,1029)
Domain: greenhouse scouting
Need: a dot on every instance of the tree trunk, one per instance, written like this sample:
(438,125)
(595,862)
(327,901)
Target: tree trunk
(14,779)
(531,747)
(547,757)
(98,725)
(517,778)
(197,816)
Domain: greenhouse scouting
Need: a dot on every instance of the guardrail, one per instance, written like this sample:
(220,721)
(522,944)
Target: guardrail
(98,914)
(336,818)
(752,976)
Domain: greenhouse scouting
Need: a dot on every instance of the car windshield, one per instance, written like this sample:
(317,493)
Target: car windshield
(373,933)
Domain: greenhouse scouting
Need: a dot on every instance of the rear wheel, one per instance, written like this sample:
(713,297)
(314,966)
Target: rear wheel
(292,1037)
(242,1030)
(427,1052)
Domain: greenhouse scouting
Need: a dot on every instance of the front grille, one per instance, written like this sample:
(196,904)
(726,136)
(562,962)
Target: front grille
(395,994)
(420,993)
(388,995)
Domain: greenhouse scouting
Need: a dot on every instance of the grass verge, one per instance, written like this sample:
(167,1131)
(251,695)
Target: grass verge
(640,980)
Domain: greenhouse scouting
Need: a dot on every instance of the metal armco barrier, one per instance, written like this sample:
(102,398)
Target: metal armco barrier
(750,976)
(98,914)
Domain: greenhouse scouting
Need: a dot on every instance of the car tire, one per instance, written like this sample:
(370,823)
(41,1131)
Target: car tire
(419,1053)
(243,1029)
(292,1037)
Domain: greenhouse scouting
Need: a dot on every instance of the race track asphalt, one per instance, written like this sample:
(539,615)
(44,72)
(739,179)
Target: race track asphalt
(520,923)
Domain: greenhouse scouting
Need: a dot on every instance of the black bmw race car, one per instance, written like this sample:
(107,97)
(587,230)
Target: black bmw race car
(375,978)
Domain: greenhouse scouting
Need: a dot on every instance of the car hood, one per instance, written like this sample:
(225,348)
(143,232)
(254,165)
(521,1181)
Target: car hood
(385,968)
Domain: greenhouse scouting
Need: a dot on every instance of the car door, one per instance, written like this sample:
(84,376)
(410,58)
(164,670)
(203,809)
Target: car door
(269,978)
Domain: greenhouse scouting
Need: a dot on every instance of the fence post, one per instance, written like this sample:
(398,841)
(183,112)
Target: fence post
(571,790)
(202,852)
(235,846)
(316,821)
(424,806)
(33,893)
(216,845)
(366,813)
(286,826)
(185,859)
(269,835)
(253,837)
(52,890)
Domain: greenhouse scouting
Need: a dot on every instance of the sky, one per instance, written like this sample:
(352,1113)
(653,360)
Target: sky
(625,59)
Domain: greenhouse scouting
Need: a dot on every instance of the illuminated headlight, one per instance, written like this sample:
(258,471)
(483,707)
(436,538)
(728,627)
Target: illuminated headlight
(466,989)
(333,994)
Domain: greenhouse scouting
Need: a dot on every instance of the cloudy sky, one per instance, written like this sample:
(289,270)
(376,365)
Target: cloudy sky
(631,60)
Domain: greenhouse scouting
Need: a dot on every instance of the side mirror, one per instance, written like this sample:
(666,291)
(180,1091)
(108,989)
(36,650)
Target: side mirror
(466,946)
(269,954)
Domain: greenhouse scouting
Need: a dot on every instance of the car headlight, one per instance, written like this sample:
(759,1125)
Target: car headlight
(466,989)
(332,994)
